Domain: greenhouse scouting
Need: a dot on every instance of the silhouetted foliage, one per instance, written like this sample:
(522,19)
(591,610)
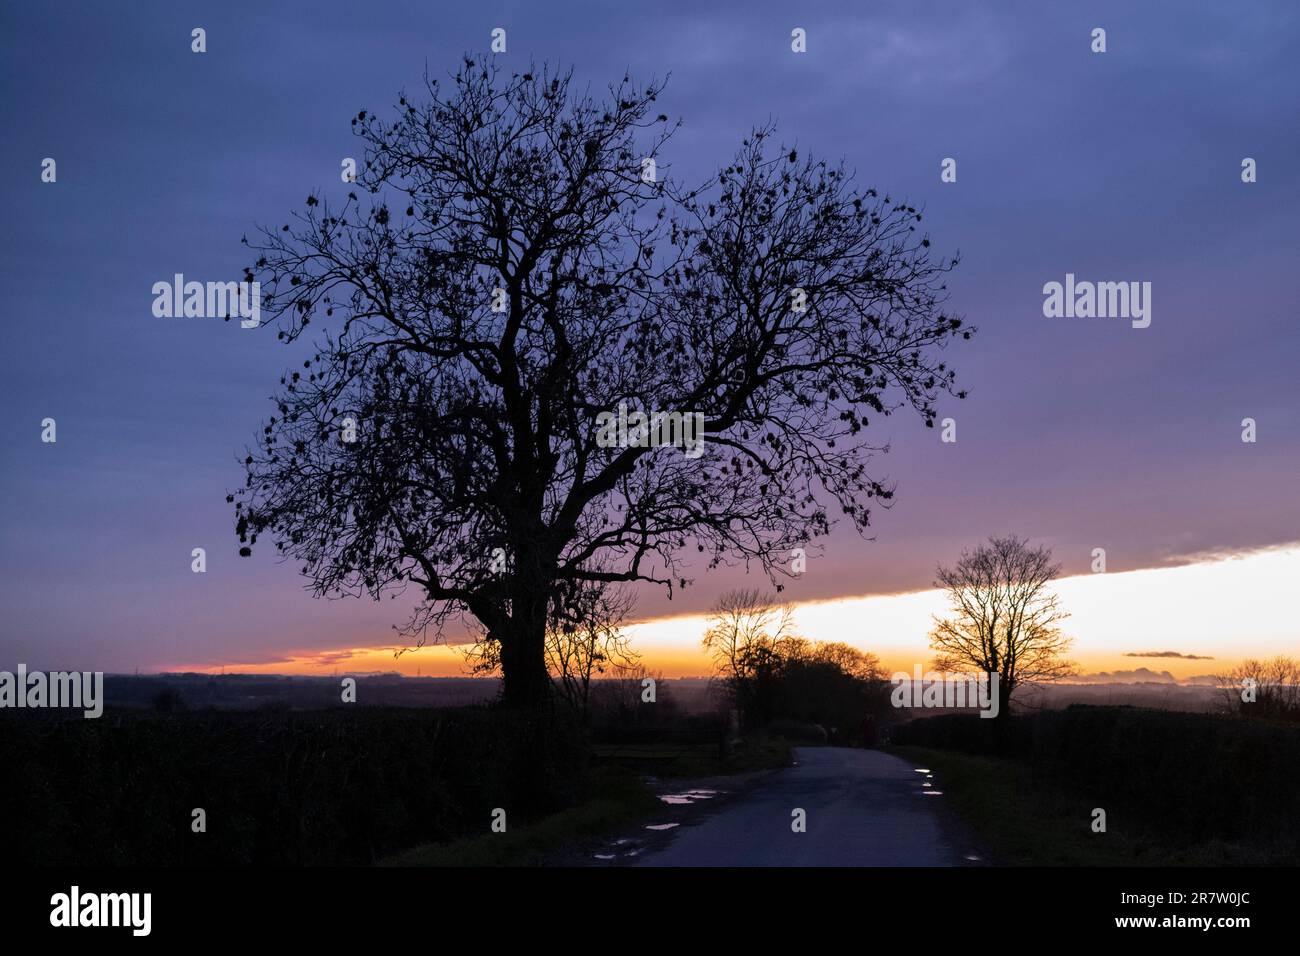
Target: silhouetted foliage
(770,674)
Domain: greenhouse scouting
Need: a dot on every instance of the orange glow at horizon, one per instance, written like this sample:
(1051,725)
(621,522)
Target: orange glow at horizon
(1211,614)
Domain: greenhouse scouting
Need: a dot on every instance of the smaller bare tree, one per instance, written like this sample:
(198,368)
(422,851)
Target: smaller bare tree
(1004,617)
(1268,689)
(748,635)
(621,700)
(586,640)
(742,625)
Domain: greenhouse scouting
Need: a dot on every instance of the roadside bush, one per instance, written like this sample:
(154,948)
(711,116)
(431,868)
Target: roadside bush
(325,787)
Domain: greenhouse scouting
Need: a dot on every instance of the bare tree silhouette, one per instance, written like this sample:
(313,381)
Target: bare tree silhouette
(1268,689)
(1004,617)
(747,635)
(741,625)
(521,267)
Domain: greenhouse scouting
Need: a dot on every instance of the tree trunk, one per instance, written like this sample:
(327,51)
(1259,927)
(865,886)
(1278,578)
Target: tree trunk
(526,684)
(1005,689)
(1001,738)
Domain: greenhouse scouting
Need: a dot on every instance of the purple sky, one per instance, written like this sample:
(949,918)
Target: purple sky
(1081,433)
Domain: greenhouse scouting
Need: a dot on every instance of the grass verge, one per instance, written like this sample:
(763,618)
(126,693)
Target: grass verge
(1023,819)
(618,798)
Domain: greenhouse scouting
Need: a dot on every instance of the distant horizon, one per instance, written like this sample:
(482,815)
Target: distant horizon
(1156,679)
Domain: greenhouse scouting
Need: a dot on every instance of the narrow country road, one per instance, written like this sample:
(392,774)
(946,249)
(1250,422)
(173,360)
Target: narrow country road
(862,808)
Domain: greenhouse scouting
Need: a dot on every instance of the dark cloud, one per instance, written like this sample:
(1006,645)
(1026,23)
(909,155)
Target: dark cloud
(1184,657)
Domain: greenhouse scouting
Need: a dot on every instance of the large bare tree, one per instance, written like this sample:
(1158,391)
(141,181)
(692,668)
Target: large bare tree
(1003,618)
(518,266)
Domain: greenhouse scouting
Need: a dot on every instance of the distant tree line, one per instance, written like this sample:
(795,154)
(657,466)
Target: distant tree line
(772,675)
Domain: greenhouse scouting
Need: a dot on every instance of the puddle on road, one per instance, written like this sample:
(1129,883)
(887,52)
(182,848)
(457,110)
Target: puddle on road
(662,826)
(614,856)
(689,797)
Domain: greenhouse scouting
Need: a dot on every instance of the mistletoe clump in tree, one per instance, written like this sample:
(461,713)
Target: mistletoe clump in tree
(504,270)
